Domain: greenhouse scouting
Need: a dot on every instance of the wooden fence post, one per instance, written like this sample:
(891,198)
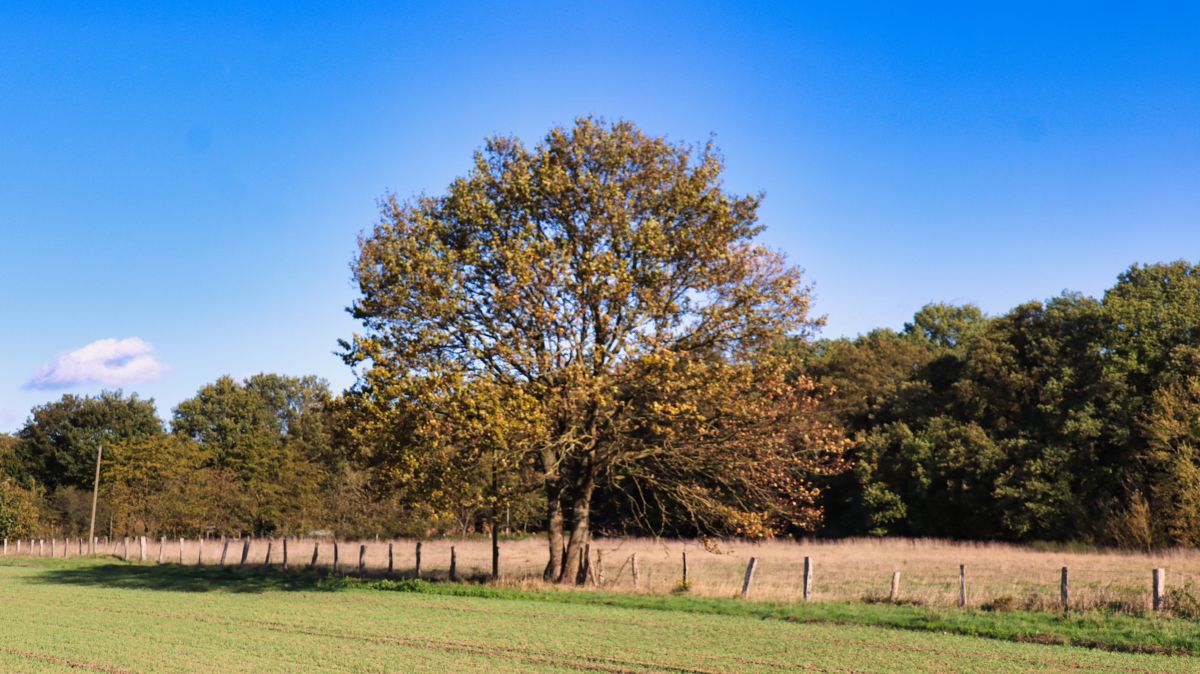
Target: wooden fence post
(749,577)
(336,561)
(245,550)
(125,548)
(1064,591)
(80,547)
(6,547)
(634,569)
(270,549)
(808,573)
(362,559)
(200,551)
(141,548)
(316,549)
(962,585)
(52,546)
(224,551)
(453,564)
(894,595)
(418,566)
(391,560)
(600,568)
(162,544)
(685,571)
(1159,578)
(285,553)
(18,546)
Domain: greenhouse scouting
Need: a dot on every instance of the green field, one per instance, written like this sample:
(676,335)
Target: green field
(99,616)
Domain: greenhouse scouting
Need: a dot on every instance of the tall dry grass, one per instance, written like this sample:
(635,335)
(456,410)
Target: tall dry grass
(844,570)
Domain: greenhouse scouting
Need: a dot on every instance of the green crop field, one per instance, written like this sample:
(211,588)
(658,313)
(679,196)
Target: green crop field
(105,617)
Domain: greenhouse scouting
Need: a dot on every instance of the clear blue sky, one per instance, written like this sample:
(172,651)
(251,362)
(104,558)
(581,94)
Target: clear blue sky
(190,181)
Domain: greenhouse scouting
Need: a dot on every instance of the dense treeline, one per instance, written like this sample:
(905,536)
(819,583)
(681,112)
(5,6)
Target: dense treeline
(1070,419)
(584,336)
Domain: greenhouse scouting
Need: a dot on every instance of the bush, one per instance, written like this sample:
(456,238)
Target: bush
(18,510)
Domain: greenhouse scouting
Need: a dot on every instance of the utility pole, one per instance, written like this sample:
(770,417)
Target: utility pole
(95,495)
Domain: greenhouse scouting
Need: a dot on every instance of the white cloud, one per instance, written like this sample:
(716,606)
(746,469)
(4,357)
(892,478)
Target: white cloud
(109,362)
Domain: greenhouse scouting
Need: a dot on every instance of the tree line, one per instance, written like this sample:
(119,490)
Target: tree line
(585,335)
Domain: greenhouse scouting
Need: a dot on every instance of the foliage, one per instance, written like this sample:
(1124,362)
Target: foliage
(568,278)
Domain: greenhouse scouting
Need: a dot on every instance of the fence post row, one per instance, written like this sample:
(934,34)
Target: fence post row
(749,577)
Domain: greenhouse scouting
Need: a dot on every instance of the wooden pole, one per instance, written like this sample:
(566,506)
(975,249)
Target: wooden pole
(749,577)
(285,553)
(962,585)
(362,559)
(224,551)
(1064,591)
(141,548)
(199,551)
(316,549)
(634,569)
(270,549)
(125,548)
(453,564)
(335,558)
(418,566)
(162,544)
(894,595)
(600,568)
(245,550)
(391,560)
(808,573)
(53,554)
(95,496)
(1159,578)
(6,547)
(685,570)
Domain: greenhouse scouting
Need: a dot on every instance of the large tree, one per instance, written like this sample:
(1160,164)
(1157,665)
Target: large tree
(580,276)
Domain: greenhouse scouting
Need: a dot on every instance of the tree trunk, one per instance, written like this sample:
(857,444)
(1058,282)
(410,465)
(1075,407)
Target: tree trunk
(554,518)
(580,532)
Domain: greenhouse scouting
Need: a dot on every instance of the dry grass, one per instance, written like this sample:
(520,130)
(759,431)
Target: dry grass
(998,574)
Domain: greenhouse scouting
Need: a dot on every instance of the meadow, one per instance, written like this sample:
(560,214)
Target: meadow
(847,570)
(106,616)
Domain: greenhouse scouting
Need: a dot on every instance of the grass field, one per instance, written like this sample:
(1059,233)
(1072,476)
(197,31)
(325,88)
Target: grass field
(102,616)
(845,570)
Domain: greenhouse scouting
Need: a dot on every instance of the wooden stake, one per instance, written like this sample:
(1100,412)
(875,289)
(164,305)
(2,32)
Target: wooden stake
(316,549)
(1064,591)
(808,573)
(285,553)
(336,566)
(141,548)
(962,585)
(245,551)
(1159,578)
(600,568)
(52,546)
(685,569)
(453,564)
(199,551)
(749,577)
(270,549)
(224,551)
(418,567)
(162,544)
(894,595)
(391,561)
(362,559)
(634,569)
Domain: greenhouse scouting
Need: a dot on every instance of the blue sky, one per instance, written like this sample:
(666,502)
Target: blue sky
(187,182)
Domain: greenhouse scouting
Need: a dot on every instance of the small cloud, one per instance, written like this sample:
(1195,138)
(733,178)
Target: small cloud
(109,362)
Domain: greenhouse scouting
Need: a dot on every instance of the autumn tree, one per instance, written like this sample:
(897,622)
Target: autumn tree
(572,275)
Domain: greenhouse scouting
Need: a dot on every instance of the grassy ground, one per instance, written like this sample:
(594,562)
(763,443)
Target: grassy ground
(100,616)
(846,570)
